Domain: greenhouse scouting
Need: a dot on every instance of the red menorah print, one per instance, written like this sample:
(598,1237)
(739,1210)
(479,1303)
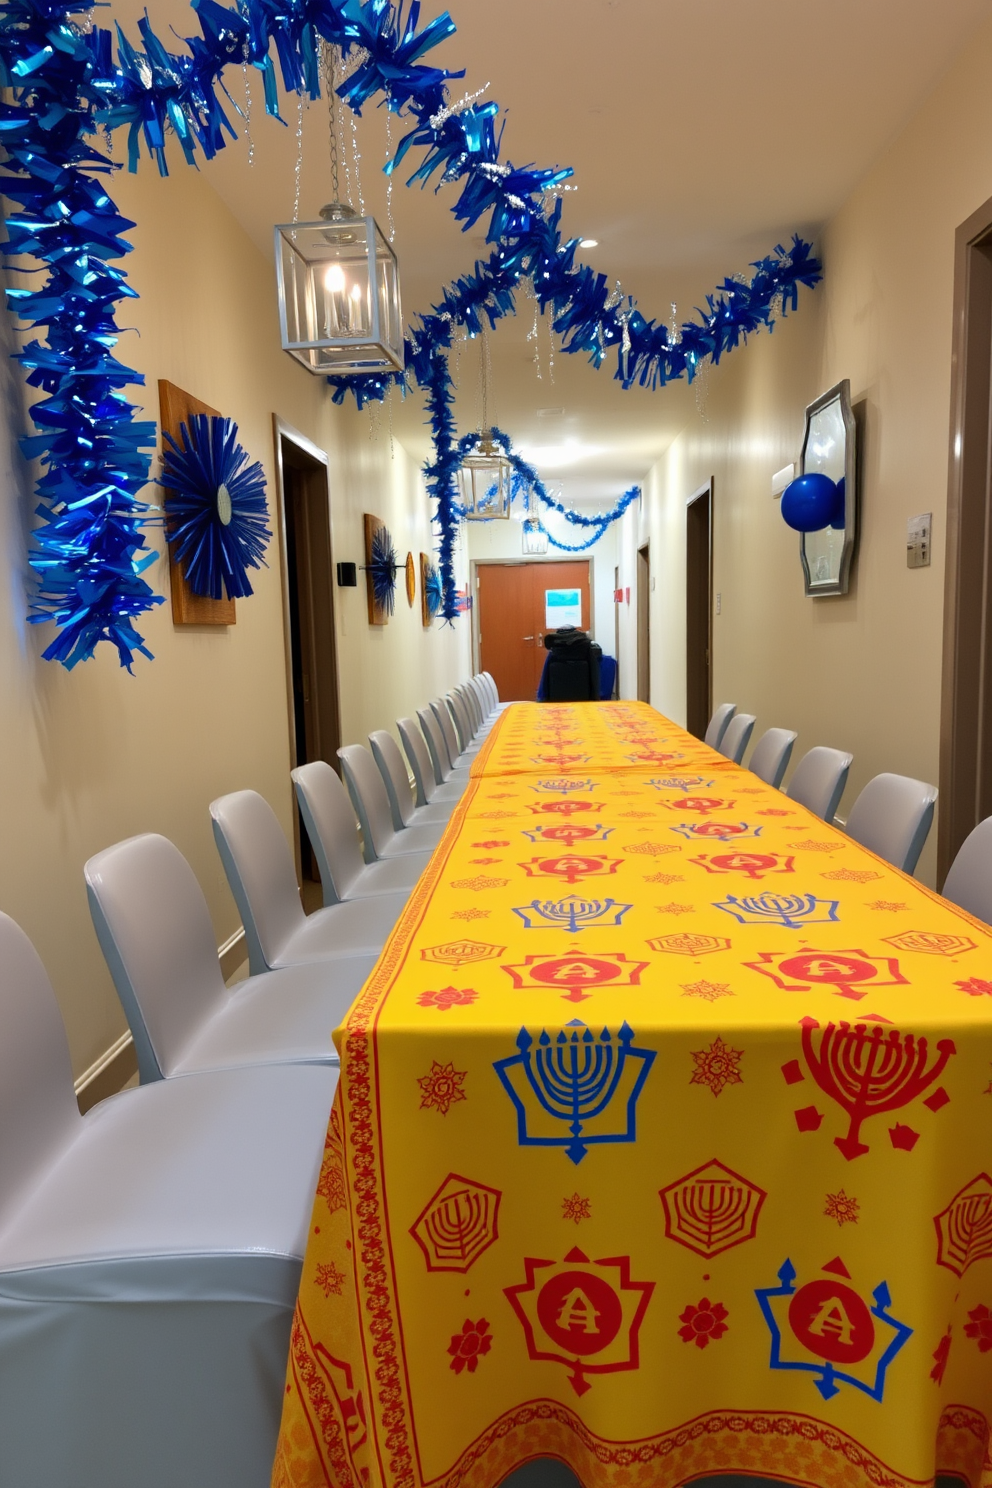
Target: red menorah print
(869,1072)
(964,1228)
(711,1209)
(571,867)
(458,1223)
(702,805)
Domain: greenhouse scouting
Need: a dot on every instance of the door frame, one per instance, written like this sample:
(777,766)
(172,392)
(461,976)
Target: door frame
(282,430)
(705,490)
(476,563)
(643,597)
(966,681)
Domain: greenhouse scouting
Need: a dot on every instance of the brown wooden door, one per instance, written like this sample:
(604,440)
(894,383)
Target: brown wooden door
(513,619)
(698,613)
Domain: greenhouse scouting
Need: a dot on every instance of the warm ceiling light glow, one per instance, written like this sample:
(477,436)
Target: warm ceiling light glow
(334,279)
(589,243)
(558,456)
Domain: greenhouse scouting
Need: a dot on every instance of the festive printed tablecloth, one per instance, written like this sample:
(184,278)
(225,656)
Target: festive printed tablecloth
(662,1145)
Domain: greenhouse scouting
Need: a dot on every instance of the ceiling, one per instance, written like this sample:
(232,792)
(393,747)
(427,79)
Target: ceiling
(701,133)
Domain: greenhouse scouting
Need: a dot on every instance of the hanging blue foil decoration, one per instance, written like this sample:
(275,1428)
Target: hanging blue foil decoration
(381,569)
(65,86)
(433,590)
(810,502)
(215,511)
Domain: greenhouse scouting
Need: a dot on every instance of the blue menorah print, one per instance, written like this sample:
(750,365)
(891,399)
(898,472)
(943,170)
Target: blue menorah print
(791,910)
(574,1078)
(571,913)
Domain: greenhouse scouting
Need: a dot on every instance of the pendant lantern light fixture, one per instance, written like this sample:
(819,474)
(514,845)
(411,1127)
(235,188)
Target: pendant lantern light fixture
(485,474)
(338,282)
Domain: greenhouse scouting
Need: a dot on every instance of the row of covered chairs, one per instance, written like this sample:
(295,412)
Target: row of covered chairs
(891,816)
(150,1250)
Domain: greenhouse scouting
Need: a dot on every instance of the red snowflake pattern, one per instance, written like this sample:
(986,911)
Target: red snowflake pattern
(576,1208)
(708,991)
(330,1279)
(448,997)
(841,1207)
(717,1066)
(975,987)
(485,861)
(442,1088)
(704,1323)
(467,1347)
(490,844)
(940,1354)
(980,1327)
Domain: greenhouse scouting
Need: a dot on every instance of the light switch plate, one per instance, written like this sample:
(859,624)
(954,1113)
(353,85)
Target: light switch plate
(918,541)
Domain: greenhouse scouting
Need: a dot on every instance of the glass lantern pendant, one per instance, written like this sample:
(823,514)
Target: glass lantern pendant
(339,294)
(484,481)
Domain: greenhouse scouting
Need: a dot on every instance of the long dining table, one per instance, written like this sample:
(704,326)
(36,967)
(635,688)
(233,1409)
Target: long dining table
(662,1145)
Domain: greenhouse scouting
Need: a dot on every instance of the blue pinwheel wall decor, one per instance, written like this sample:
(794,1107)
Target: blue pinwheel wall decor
(380,570)
(431,590)
(215,510)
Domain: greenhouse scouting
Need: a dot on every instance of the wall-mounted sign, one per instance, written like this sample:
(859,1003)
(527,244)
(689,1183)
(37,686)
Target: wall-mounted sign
(562,607)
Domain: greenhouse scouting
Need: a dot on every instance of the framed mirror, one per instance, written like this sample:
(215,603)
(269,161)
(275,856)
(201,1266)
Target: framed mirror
(829,448)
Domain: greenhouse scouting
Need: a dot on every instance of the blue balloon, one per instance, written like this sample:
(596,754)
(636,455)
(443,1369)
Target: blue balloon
(809,503)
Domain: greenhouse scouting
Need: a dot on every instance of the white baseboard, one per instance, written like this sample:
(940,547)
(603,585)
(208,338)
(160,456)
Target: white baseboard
(116,1065)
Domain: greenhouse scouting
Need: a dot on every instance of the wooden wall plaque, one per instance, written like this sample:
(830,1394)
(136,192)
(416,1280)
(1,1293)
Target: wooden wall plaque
(175,407)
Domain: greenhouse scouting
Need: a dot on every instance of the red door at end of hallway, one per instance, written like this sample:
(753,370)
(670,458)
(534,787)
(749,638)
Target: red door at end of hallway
(517,604)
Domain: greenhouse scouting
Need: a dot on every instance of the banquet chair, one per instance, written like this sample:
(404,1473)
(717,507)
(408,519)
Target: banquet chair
(892,818)
(465,739)
(154,929)
(422,766)
(368,795)
(333,832)
(262,878)
(437,744)
(717,726)
(736,736)
(490,712)
(490,681)
(443,715)
(770,756)
(402,802)
(819,779)
(150,1257)
(969,882)
(480,726)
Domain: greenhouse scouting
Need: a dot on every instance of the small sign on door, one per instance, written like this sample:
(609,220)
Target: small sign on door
(918,541)
(562,607)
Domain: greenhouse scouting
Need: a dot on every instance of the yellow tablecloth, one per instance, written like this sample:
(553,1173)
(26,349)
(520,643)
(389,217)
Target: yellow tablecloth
(662,1145)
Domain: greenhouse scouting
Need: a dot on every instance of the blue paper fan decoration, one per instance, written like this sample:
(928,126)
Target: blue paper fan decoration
(215,511)
(381,569)
(433,590)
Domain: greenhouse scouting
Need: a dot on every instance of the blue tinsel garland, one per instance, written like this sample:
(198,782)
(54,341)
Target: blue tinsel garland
(216,540)
(66,85)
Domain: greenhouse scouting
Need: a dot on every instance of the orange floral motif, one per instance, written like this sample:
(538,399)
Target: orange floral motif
(842,1208)
(775,811)
(852,875)
(448,997)
(470,914)
(980,1327)
(975,987)
(813,846)
(887,904)
(708,991)
(330,1279)
(665,878)
(467,1347)
(717,1066)
(490,844)
(442,1087)
(704,1323)
(576,1208)
(654,849)
(675,909)
(485,860)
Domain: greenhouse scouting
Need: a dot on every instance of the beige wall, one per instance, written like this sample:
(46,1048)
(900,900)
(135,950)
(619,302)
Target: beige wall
(860,672)
(95,755)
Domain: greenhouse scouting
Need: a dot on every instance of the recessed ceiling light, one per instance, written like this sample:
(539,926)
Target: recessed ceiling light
(550,412)
(589,243)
